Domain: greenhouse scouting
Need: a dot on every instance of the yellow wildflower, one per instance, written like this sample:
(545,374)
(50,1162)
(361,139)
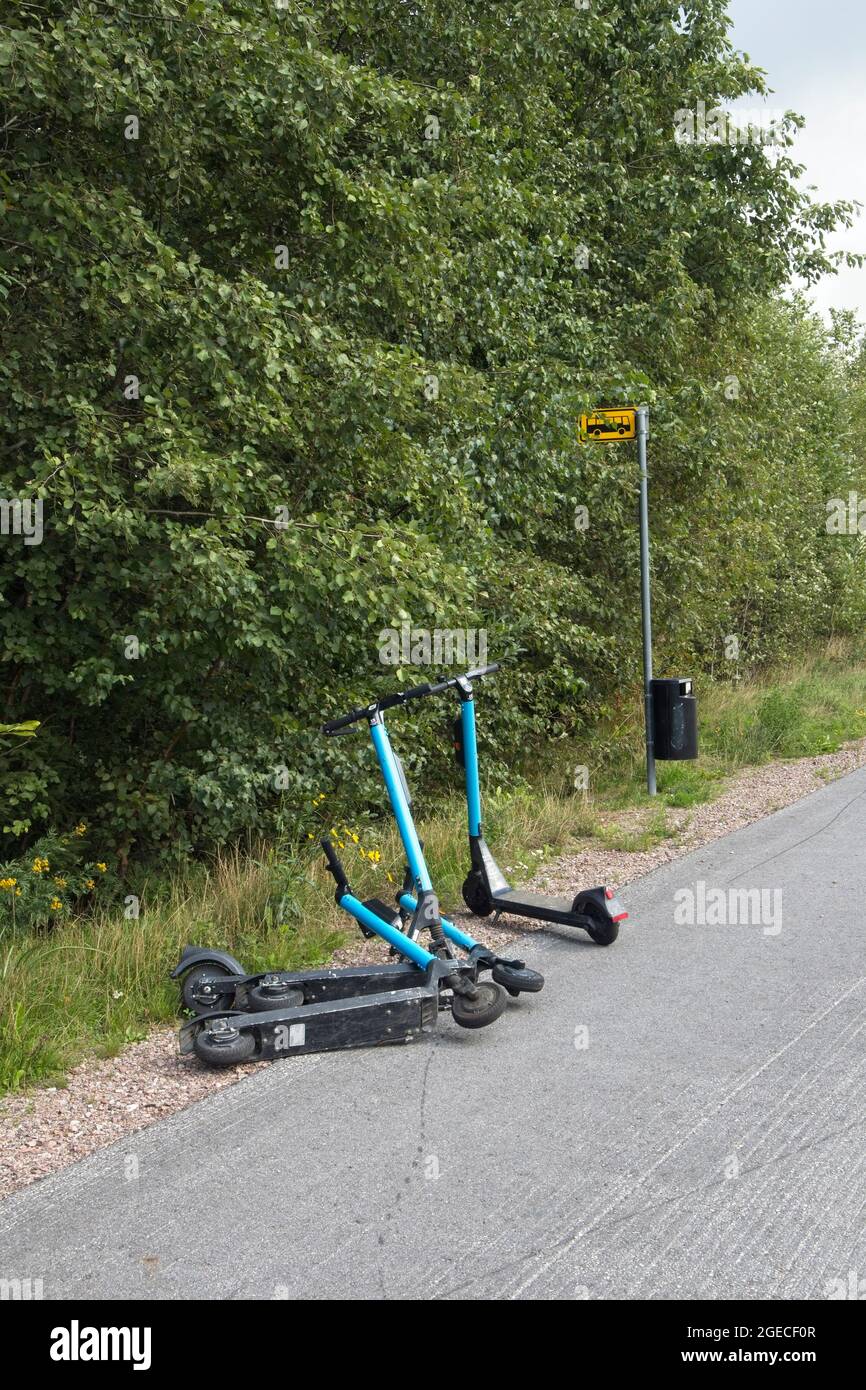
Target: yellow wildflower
(102,868)
(90,885)
(61,882)
(81,828)
(56,904)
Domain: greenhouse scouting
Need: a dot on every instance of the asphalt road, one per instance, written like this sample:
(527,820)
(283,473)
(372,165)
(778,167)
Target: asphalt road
(680,1115)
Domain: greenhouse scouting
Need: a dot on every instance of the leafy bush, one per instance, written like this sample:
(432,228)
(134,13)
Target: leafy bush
(286,371)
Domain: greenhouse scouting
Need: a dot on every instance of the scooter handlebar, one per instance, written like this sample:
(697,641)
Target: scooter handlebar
(334,725)
(466,676)
(400,697)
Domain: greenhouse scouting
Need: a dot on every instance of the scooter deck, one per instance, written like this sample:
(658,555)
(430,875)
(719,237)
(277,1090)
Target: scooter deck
(360,1020)
(322,985)
(538,906)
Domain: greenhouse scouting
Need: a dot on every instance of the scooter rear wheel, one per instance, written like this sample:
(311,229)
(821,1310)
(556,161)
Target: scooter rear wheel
(603,931)
(604,935)
(206,973)
(486,1007)
(476,896)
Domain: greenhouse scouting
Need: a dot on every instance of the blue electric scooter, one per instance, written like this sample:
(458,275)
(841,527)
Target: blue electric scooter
(418,904)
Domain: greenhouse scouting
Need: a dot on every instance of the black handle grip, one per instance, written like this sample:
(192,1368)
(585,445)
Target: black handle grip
(333,725)
(334,864)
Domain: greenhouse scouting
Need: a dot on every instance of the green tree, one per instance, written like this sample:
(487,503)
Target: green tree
(300,308)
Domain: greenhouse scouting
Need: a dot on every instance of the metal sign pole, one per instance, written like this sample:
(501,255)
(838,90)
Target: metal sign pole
(646,619)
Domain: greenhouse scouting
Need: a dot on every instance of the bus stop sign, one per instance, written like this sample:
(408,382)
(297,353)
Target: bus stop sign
(609,426)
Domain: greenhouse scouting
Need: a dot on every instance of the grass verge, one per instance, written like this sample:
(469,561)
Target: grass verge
(93,985)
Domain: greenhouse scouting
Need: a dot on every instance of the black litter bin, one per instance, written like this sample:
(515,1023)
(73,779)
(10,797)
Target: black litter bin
(675,720)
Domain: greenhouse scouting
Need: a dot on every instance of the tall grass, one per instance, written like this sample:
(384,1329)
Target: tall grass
(94,984)
(813,709)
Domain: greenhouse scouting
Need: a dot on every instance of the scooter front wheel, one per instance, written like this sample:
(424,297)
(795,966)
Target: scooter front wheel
(274,993)
(517,979)
(486,1007)
(476,895)
(223,1045)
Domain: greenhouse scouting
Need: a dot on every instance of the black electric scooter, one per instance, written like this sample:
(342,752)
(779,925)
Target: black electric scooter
(486,890)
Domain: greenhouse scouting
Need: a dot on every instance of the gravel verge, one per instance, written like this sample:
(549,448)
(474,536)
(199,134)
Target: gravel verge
(44,1130)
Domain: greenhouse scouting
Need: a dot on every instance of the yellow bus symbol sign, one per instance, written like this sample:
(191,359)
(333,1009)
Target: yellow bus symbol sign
(609,426)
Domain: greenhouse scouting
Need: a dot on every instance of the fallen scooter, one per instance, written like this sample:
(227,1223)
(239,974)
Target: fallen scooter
(248,1018)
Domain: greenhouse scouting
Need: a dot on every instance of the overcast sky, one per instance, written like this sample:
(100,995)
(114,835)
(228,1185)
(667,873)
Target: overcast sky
(814,55)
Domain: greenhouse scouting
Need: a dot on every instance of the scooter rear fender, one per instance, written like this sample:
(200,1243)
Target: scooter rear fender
(602,899)
(199,955)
